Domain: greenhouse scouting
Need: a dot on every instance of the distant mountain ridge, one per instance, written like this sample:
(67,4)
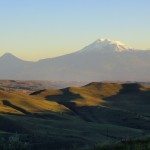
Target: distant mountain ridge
(103,60)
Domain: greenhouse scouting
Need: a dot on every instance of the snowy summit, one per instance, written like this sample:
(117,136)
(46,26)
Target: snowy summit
(106,45)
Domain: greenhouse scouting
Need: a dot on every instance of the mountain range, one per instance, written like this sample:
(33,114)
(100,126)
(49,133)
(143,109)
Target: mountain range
(103,60)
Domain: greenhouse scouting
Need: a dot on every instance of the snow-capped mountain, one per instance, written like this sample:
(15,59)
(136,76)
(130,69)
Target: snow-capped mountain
(103,60)
(106,45)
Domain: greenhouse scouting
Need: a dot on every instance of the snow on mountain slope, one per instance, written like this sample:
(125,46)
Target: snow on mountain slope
(106,45)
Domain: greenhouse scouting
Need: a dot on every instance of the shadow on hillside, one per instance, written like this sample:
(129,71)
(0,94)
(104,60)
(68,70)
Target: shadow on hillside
(128,88)
(7,103)
(127,108)
(67,96)
(66,99)
(130,93)
(37,92)
(43,114)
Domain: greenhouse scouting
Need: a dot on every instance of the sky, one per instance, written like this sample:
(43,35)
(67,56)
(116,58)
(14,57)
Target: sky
(36,29)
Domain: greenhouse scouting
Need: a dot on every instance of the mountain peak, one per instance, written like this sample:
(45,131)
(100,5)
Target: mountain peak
(106,45)
(9,57)
(110,41)
(119,46)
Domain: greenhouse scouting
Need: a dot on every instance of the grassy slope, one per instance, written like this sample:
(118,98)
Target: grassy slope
(102,101)
(16,103)
(95,113)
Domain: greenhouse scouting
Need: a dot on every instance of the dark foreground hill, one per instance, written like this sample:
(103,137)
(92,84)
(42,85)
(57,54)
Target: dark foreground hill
(76,117)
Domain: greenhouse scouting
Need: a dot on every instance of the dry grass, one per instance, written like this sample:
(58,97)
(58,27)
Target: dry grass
(28,103)
(100,112)
(93,94)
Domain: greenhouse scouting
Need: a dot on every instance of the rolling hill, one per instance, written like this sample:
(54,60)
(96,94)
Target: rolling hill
(77,116)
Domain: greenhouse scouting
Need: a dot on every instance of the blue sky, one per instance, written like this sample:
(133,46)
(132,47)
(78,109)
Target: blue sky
(34,29)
